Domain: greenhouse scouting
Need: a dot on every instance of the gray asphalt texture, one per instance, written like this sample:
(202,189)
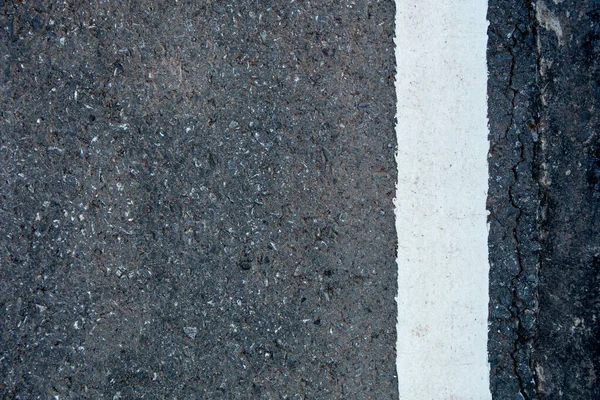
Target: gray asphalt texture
(544,197)
(196,200)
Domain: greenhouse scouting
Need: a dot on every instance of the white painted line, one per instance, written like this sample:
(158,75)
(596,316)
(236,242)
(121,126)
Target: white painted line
(441,199)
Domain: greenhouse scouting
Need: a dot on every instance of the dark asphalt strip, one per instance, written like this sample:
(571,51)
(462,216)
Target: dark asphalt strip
(544,289)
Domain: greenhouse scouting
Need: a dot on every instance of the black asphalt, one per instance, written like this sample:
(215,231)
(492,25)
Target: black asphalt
(544,94)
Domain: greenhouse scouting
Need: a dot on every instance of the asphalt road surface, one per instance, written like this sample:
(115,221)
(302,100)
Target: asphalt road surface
(196,199)
(544,340)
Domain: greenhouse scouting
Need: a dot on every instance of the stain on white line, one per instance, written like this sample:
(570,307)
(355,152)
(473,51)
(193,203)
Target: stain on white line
(441,200)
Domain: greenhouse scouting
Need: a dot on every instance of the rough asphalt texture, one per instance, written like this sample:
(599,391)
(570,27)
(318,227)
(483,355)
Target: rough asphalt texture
(544,197)
(512,197)
(196,200)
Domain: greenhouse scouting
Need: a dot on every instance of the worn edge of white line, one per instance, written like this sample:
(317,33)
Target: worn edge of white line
(440,204)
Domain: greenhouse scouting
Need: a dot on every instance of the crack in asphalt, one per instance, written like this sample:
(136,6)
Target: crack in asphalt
(523,341)
(516,300)
(539,176)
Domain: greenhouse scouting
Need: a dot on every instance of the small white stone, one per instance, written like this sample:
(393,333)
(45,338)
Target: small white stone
(191,331)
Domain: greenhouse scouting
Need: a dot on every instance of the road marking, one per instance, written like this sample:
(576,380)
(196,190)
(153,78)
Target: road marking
(441,199)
